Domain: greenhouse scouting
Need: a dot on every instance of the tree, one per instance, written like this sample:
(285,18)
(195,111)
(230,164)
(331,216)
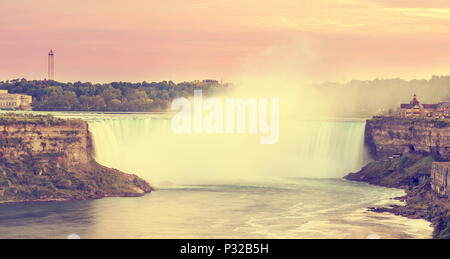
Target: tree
(116,96)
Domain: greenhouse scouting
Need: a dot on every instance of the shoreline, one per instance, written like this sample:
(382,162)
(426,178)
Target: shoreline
(131,195)
(399,210)
(33,201)
(419,201)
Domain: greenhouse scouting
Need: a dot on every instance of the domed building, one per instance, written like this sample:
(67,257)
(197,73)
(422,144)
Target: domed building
(415,110)
(412,109)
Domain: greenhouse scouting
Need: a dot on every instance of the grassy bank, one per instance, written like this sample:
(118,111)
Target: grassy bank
(16,118)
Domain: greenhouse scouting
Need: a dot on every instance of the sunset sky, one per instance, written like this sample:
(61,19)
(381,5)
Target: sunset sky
(136,40)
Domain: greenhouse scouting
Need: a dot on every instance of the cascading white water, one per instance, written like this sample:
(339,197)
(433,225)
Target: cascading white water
(147,147)
(232,194)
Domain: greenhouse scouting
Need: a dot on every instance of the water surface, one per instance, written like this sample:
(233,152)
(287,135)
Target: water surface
(285,208)
(222,186)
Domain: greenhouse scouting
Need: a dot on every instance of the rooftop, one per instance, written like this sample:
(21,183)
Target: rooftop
(430,106)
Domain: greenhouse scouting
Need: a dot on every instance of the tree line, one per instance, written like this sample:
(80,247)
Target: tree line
(115,96)
(363,98)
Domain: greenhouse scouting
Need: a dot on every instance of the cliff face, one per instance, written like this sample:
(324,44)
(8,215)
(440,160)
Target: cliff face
(44,158)
(68,141)
(430,140)
(440,178)
(388,136)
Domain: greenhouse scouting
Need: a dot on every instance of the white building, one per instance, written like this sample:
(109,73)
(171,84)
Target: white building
(14,101)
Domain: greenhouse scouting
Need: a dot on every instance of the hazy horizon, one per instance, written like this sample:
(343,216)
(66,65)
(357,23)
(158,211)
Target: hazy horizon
(150,80)
(105,41)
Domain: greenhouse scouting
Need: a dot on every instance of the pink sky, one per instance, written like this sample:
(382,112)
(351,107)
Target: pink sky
(136,40)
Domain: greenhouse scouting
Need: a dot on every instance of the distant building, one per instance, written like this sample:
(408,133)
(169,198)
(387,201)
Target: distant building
(412,109)
(428,110)
(14,101)
(442,110)
(416,110)
(51,65)
(211,81)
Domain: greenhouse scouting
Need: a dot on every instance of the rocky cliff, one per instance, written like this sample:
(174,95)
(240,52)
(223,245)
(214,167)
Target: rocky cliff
(419,142)
(68,140)
(440,178)
(387,136)
(45,158)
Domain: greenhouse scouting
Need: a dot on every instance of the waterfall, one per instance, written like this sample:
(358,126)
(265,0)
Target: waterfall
(147,147)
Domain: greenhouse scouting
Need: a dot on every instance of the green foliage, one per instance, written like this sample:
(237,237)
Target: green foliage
(365,98)
(436,122)
(403,160)
(442,230)
(116,96)
(15,118)
(407,170)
